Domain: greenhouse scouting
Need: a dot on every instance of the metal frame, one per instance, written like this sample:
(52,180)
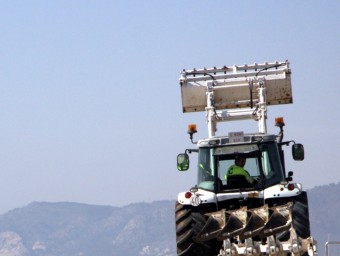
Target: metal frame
(236,93)
(328,243)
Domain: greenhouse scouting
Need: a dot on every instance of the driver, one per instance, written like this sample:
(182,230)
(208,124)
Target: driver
(238,169)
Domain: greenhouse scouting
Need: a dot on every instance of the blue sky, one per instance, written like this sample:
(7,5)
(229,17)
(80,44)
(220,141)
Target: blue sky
(90,103)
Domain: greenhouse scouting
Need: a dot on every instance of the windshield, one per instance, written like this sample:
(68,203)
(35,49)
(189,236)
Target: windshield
(239,166)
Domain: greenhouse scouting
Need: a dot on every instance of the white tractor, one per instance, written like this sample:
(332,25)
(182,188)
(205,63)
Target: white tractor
(244,203)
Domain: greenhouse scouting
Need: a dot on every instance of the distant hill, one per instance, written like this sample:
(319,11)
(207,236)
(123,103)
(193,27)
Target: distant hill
(145,229)
(65,229)
(324,207)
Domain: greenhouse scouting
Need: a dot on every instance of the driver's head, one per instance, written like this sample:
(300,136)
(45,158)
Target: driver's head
(240,161)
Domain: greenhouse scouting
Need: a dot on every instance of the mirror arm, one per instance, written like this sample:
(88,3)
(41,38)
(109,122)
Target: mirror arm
(286,143)
(190,151)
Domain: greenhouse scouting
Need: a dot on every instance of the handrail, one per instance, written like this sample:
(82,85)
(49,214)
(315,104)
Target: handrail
(327,245)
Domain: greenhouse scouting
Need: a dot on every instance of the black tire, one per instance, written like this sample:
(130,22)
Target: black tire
(300,215)
(188,225)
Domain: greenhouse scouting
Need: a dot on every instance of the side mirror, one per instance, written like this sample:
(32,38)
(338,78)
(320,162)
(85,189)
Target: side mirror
(298,152)
(183,162)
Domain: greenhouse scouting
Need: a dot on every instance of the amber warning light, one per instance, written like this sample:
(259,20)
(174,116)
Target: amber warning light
(192,128)
(279,121)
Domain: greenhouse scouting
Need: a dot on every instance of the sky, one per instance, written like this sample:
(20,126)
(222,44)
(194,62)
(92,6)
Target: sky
(90,103)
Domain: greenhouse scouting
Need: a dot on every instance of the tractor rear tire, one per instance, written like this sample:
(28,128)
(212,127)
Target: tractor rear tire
(188,224)
(301,216)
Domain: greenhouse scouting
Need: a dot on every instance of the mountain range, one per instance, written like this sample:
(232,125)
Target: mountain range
(141,229)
